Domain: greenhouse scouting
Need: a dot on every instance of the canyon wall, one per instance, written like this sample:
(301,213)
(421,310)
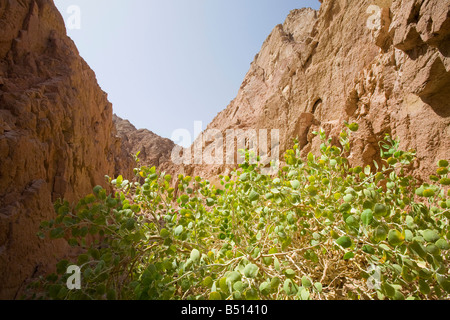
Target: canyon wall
(383,64)
(57,137)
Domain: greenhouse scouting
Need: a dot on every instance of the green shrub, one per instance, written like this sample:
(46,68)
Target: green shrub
(319,229)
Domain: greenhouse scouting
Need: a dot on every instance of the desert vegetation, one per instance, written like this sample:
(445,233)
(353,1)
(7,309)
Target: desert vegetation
(319,229)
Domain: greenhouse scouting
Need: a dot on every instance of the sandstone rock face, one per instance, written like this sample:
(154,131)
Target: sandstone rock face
(57,138)
(153,149)
(382,64)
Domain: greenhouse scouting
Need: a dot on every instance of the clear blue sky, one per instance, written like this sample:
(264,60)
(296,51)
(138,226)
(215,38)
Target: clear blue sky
(168,63)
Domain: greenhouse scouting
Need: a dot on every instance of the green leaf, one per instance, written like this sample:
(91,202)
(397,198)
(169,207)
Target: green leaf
(223,285)
(409,221)
(418,248)
(442,244)
(264,288)
(304,294)
(73,242)
(289,273)
(368,249)
(425,274)
(433,250)
(268,196)
(82,259)
(348,198)
(419,191)
(164,233)
(233,277)
(57,233)
(427,193)
(345,242)
(251,270)
(306,282)
(178,230)
(380,234)
(54,290)
(380,210)
(443,163)
(345,207)
(275,282)
(61,267)
(289,287)
(398,295)
(367,217)
(239,286)
(184,198)
(210,202)
(395,238)
(244,177)
(95,253)
(431,235)
(352,221)
(388,290)
(349,255)
(236,296)
(153,176)
(408,235)
(195,255)
(318,287)
(130,224)
(253,196)
(275,191)
(207,282)
(353,127)
(295,184)
(444,282)
(68,221)
(424,287)
(215,296)
(101,289)
(251,294)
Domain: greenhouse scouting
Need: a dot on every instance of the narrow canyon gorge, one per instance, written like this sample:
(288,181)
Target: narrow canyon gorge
(59,136)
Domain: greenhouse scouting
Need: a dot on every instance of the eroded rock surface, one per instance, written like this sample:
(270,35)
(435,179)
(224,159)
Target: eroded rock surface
(57,138)
(382,64)
(153,149)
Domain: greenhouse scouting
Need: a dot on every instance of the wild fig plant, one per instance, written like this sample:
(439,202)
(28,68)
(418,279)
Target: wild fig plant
(319,229)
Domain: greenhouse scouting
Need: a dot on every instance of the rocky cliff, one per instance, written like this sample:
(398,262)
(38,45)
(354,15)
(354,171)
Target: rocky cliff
(57,137)
(153,149)
(383,64)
